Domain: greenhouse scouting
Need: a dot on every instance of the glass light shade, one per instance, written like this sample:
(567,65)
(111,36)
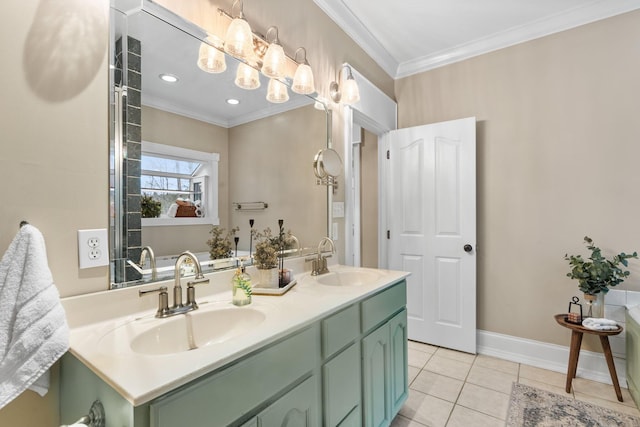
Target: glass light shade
(247,77)
(303,80)
(211,59)
(239,39)
(350,92)
(277,92)
(274,61)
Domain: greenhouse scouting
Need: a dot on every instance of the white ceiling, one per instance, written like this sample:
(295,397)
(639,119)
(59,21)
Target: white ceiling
(410,36)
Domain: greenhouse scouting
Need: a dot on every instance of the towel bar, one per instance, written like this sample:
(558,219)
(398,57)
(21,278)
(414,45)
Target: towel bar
(95,417)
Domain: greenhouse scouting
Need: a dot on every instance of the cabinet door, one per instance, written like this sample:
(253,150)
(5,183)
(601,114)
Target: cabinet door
(398,349)
(297,408)
(376,376)
(342,388)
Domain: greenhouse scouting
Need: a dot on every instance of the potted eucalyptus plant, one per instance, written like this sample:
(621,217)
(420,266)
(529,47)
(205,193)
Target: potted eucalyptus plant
(266,254)
(596,274)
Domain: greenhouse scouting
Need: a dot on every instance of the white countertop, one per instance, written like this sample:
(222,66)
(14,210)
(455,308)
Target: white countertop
(102,324)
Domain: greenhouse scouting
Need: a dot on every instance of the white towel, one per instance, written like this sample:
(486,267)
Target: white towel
(33,326)
(600,324)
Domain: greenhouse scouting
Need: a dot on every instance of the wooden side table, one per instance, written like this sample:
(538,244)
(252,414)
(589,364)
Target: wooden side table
(576,340)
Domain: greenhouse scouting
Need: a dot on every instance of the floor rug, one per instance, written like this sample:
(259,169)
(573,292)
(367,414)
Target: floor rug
(532,407)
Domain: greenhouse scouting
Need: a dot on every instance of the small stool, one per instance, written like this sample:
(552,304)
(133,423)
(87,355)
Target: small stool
(576,341)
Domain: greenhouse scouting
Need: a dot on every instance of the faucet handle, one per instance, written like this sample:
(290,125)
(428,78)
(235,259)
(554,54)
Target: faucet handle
(191,291)
(163,300)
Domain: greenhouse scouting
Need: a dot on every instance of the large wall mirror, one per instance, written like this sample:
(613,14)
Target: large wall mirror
(236,164)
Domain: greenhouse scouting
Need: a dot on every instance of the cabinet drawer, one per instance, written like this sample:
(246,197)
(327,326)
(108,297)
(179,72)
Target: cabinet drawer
(233,392)
(380,307)
(339,330)
(341,386)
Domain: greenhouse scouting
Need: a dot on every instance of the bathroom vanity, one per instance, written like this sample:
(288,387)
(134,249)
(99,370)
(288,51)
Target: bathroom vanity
(332,351)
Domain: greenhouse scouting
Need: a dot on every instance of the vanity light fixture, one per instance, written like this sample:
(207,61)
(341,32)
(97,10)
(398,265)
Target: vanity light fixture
(274,59)
(303,78)
(277,92)
(239,39)
(211,59)
(169,78)
(247,77)
(350,94)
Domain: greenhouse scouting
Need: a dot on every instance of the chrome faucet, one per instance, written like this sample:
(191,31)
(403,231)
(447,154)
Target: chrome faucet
(191,293)
(319,262)
(178,307)
(152,260)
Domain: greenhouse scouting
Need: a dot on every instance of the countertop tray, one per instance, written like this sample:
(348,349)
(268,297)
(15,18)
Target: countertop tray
(273,291)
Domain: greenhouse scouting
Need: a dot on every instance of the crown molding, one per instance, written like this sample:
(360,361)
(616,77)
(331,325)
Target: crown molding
(560,22)
(340,13)
(272,110)
(592,11)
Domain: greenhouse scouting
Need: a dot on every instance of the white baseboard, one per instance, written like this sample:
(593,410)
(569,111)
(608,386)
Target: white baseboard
(592,366)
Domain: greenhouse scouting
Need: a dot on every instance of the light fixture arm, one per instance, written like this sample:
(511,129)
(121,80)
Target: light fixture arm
(276,40)
(295,56)
(241,13)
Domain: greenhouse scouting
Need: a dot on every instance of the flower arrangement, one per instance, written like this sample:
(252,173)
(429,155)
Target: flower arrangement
(598,274)
(268,246)
(220,243)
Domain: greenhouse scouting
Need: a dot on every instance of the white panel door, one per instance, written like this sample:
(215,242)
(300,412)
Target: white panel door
(432,229)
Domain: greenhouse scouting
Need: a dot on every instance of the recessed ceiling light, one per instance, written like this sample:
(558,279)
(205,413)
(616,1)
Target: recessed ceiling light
(233,101)
(169,78)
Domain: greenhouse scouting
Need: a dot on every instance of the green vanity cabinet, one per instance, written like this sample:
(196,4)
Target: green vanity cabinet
(235,392)
(341,381)
(298,408)
(384,356)
(347,369)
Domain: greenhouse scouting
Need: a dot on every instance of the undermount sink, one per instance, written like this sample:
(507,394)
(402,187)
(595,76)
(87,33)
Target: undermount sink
(190,331)
(347,278)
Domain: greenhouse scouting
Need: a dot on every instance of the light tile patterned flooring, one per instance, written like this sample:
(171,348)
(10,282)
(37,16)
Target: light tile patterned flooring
(450,388)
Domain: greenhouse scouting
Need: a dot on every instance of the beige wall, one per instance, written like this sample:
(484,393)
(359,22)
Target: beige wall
(272,162)
(171,129)
(54,146)
(557,159)
(369,199)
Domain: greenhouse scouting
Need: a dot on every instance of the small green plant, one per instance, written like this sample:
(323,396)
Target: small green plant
(220,243)
(149,207)
(598,273)
(268,247)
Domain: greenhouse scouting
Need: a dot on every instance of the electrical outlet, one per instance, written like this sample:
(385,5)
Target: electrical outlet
(93,248)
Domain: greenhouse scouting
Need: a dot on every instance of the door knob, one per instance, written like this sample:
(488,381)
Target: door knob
(468,248)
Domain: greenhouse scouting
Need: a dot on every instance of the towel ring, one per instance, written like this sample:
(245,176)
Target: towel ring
(95,417)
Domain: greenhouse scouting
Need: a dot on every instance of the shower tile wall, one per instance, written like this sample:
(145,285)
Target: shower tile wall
(133,141)
(131,233)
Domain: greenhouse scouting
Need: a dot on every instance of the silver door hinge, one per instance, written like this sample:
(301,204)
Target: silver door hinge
(388,234)
(388,155)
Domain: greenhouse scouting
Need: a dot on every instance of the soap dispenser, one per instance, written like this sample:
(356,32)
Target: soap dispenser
(241,287)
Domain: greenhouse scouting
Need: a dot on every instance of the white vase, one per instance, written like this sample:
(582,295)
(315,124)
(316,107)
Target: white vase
(267,278)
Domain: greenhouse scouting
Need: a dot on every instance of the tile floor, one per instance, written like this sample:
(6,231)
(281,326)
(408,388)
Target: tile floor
(449,388)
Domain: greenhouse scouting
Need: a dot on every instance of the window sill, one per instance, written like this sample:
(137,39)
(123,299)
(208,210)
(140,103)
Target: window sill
(164,222)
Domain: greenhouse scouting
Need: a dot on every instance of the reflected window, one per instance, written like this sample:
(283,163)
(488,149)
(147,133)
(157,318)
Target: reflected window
(183,182)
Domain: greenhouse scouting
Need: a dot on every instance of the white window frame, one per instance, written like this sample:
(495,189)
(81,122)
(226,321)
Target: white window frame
(209,169)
